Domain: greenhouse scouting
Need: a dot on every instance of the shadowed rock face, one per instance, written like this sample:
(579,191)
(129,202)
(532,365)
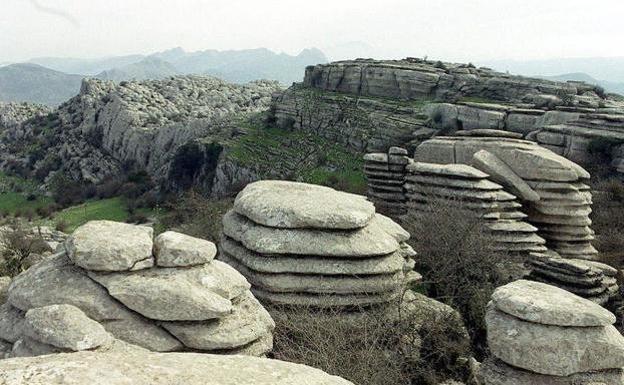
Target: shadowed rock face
(143,368)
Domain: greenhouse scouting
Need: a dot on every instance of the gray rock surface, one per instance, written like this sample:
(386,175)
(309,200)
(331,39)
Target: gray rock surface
(65,327)
(4,288)
(372,240)
(553,350)
(141,368)
(549,305)
(247,323)
(173,249)
(291,205)
(109,246)
(167,294)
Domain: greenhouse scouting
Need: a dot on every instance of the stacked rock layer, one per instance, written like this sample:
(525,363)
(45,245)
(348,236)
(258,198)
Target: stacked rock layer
(588,279)
(164,294)
(551,188)
(386,177)
(539,334)
(430,185)
(307,245)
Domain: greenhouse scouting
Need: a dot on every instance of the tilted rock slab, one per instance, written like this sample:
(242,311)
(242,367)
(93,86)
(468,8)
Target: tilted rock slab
(173,249)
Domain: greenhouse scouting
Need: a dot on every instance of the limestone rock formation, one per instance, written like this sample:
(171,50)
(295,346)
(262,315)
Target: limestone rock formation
(542,332)
(199,304)
(372,105)
(562,212)
(588,279)
(132,366)
(146,123)
(355,261)
(473,193)
(385,174)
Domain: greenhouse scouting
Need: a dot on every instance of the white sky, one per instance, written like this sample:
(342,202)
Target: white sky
(462,30)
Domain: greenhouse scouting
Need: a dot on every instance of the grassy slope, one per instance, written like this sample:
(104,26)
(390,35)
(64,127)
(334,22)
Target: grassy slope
(299,156)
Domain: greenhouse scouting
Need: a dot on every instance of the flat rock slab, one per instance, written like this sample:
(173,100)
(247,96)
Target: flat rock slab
(66,327)
(141,368)
(248,322)
(496,372)
(300,205)
(553,350)
(169,294)
(373,240)
(312,264)
(319,284)
(173,249)
(109,246)
(324,301)
(549,305)
(461,171)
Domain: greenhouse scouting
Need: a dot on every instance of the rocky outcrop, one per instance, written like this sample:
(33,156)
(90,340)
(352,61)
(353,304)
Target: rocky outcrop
(540,334)
(133,366)
(372,105)
(562,212)
(169,297)
(14,114)
(323,248)
(588,279)
(144,124)
(471,192)
(385,174)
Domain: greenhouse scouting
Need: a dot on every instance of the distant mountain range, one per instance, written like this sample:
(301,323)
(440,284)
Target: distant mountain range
(53,80)
(27,82)
(607,72)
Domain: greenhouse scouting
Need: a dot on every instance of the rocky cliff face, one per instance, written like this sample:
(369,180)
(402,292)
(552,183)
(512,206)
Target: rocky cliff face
(110,127)
(372,105)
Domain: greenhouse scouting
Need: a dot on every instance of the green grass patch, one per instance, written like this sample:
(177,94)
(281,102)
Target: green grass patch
(298,155)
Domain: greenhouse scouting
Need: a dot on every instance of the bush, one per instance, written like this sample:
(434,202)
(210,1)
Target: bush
(195,215)
(608,221)
(371,347)
(16,245)
(137,218)
(458,262)
(61,225)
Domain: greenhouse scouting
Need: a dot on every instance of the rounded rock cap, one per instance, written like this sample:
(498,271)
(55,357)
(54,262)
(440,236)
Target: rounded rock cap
(294,205)
(549,305)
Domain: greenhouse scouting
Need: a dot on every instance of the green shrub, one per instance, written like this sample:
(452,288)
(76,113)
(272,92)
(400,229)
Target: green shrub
(17,244)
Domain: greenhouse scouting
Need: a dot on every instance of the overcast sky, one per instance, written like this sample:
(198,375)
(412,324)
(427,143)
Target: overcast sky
(462,30)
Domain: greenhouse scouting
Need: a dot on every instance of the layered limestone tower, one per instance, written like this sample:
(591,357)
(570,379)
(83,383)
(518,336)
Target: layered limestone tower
(551,188)
(308,245)
(588,279)
(115,282)
(386,178)
(471,192)
(542,335)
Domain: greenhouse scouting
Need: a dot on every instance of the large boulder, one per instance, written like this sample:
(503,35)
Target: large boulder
(66,327)
(173,249)
(110,246)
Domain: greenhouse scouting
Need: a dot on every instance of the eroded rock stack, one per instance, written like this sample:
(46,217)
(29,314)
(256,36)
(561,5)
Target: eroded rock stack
(551,188)
(588,279)
(471,192)
(539,334)
(386,176)
(166,294)
(307,245)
